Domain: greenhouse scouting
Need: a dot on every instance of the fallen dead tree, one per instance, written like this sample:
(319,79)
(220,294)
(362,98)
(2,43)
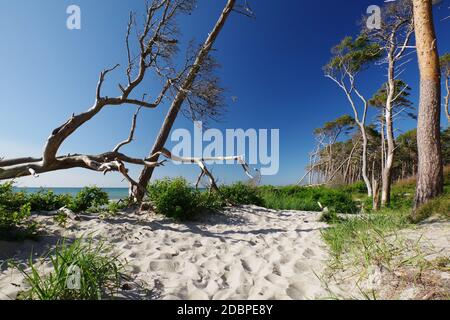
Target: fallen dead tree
(156,44)
(200,162)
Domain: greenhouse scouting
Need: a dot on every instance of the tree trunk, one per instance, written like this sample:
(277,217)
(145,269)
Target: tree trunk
(375,190)
(387,170)
(430,170)
(364,160)
(180,98)
(350,157)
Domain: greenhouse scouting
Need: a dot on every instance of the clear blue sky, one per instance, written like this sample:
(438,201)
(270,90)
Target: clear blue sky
(271,63)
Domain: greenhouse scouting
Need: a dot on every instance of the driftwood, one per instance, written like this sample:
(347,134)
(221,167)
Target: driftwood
(156,44)
(204,170)
(151,49)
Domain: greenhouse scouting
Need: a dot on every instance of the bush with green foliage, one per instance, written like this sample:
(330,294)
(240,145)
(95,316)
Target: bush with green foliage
(99,276)
(402,197)
(40,201)
(16,225)
(89,197)
(211,201)
(15,213)
(115,207)
(241,193)
(47,201)
(11,200)
(355,188)
(174,198)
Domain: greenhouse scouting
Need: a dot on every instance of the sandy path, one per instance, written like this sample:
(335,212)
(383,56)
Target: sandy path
(245,253)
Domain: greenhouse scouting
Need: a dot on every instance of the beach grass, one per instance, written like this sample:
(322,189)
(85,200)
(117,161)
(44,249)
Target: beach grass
(364,238)
(307,199)
(99,273)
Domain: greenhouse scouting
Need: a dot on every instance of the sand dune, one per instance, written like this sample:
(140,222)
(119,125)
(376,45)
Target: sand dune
(245,253)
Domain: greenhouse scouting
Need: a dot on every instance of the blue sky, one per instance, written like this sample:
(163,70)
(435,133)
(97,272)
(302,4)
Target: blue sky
(273,64)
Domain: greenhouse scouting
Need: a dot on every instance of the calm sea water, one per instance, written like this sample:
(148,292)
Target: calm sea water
(113,193)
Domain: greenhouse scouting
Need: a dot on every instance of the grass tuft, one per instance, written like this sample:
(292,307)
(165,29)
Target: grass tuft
(439,207)
(99,276)
(365,238)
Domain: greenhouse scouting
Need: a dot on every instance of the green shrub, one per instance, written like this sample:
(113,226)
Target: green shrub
(174,198)
(16,225)
(307,199)
(357,187)
(10,200)
(367,204)
(99,276)
(211,201)
(400,200)
(240,193)
(48,201)
(89,197)
(114,207)
(337,201)
(39,201)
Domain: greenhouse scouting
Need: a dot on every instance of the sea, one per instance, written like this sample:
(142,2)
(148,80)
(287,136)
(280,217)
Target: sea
(113,193)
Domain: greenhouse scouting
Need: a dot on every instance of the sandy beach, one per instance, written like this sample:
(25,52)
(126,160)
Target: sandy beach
(245,253)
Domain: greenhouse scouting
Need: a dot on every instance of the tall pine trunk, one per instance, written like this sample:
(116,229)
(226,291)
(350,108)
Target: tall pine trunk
(430,171)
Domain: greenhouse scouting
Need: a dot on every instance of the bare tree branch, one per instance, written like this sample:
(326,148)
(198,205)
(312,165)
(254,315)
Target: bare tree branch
(131,136)
(201,163)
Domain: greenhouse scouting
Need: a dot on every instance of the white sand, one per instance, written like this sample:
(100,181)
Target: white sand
(246,253)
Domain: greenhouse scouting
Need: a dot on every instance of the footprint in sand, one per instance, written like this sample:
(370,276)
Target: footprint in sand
(127,247)
(212,266)
(195,291)
(308,253)
(136,269)
(295,291)
(276,270)
(252,264)
(271,256)
(300,267)
(277,280)
(165,256)
(236,276)
(164,266)
(286,258)
(134,254)
(197,244)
